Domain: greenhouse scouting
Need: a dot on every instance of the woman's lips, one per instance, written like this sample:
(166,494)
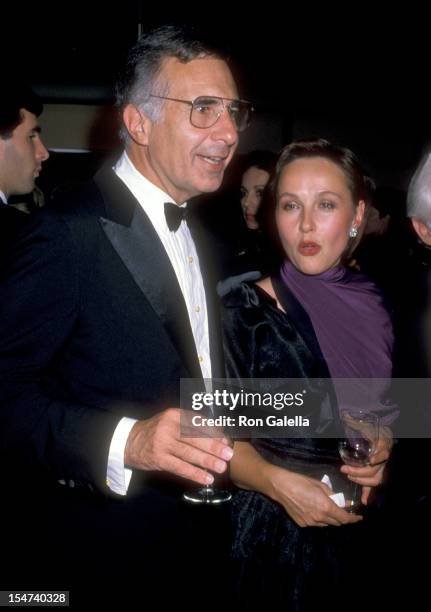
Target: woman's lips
(309,248)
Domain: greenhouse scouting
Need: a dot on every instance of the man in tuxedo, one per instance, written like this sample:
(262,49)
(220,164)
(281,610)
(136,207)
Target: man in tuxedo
(407,496)
(22,153)
(122,307)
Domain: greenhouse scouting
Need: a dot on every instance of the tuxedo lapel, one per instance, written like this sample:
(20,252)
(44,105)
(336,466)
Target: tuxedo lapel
(134,238)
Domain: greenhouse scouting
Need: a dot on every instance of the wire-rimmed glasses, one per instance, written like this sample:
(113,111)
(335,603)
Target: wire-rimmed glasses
(205,110)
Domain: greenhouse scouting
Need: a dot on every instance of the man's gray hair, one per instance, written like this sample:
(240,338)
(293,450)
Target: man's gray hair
(419,192)
(142,74)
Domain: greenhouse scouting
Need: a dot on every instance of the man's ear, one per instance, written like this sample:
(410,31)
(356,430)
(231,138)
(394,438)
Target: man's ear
(422,230)
(2,148)
(137,124)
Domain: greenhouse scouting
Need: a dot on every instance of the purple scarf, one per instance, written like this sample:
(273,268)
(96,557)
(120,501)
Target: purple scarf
(351,324)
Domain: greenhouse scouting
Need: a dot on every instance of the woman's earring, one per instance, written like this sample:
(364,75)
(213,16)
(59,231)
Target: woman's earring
(353,232)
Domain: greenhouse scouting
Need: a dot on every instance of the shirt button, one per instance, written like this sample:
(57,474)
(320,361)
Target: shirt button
(197,309)
(190,258)
(201,359)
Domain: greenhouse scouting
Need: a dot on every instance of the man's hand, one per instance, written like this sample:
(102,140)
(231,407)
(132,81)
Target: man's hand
(157,444)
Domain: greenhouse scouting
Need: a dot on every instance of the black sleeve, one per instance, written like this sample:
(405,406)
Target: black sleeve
(39,307)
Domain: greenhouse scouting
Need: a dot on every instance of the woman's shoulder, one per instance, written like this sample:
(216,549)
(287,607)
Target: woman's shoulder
(365,285)
(265,285)
(370,299)
(360,280)
(250,295)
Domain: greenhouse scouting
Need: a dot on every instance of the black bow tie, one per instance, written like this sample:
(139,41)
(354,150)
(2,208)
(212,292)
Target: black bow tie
(174,215)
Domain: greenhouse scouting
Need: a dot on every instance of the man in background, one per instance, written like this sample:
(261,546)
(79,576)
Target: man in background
(22,153)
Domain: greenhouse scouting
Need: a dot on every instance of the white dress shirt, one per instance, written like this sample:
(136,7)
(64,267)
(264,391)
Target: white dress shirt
(3,197)
(180,248)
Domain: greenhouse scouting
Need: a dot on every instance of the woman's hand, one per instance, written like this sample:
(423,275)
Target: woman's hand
(372,475)
(306,500)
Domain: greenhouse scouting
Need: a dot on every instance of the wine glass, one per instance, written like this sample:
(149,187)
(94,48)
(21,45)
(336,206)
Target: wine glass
(361,435)
(208,494)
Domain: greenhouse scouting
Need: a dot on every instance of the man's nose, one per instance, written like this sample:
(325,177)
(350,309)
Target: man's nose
(42,152)
(225,129)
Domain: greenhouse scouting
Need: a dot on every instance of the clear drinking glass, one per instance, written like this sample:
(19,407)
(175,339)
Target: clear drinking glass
(359,444)
(209,494)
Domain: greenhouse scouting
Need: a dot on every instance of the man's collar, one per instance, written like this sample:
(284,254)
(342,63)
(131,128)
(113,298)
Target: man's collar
(125,168)
(3,197)
(150,197)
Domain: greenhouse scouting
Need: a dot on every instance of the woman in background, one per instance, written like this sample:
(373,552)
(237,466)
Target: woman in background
(253,251)
(257,170)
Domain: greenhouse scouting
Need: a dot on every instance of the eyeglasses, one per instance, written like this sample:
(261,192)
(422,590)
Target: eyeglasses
(205,110)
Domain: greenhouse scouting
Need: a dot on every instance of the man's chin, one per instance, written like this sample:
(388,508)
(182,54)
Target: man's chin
(29,187)
(212,184)
(22,190)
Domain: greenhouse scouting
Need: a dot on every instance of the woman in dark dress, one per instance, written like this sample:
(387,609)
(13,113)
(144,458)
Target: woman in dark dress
(294,547)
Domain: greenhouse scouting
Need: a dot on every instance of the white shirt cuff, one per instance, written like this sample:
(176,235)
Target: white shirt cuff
(117,476)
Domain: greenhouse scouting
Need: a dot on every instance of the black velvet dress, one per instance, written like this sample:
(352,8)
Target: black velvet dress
(276,564)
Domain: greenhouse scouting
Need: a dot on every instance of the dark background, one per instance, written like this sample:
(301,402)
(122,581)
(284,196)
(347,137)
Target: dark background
(346,72)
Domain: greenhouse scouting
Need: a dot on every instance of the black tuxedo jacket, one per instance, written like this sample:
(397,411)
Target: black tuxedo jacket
(94,327)
(11,221)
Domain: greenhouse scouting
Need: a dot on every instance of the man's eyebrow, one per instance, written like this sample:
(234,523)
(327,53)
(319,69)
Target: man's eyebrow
(36,129)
